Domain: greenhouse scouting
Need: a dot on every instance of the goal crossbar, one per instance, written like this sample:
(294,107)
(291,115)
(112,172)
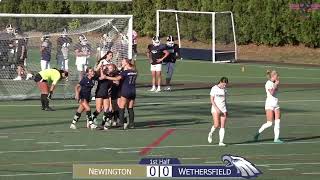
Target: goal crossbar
(214,52)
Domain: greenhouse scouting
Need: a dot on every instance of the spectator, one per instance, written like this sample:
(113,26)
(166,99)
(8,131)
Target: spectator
(45,52)
(82,51)
(63,44)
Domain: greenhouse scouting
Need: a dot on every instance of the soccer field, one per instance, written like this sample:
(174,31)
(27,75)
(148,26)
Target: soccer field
(39,145)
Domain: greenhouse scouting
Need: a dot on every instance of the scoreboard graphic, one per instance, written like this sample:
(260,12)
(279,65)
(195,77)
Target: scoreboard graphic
(235,167)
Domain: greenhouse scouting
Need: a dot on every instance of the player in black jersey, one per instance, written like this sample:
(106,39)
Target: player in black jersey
(156,54)
(174,54)
(102,95)
(127,92)
(83,95)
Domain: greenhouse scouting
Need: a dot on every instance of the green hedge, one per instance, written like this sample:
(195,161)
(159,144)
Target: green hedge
(268,22)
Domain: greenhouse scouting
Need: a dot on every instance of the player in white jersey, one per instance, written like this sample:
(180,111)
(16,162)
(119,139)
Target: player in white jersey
(272,107)
(219,109)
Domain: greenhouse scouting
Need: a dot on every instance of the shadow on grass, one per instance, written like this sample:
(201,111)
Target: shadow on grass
(285,139)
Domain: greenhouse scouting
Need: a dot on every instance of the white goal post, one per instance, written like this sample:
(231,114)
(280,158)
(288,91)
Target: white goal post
(216,55)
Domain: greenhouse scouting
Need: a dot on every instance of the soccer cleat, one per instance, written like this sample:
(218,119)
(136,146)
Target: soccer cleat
(153,89)
(73,126)
(222,144)
(49,109)
(18,78)
(131,126)
(29,76)
(108,122)
(210,138)
(278,141)
(125,126)
(158,90)
(93,126)
(168,88)
(256,137)
(114,123)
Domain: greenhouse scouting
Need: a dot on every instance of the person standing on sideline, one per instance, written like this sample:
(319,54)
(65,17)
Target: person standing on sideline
(174,54)
(45,51)
(156,53)
(82,51)
(63,45)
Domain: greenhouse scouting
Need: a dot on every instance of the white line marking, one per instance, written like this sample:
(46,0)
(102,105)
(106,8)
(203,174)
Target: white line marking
(213,162)
(23,139)
(290,164)
(128,152)
(312,173)
(175,102)
(186,158)
(34,174)
(74,145)
(47,142)
(281,169)
(158,147)
(3,137)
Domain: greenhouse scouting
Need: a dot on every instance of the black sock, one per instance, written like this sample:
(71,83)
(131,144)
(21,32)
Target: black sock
(121,115)
(76,118)
(43,98)
(89,117)
(104,118)
(95,114)
(131,116)
(46,101)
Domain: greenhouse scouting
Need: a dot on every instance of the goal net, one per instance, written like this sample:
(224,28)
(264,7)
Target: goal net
(22,35)
(200,35)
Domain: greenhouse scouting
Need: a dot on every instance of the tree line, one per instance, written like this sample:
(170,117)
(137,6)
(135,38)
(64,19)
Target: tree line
(268,22)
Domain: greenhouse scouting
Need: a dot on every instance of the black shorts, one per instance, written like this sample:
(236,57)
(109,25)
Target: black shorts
(38,78)
(85,97)
(130,96)
(102,94)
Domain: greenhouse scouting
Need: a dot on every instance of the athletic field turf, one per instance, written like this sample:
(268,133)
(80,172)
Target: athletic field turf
(39,145)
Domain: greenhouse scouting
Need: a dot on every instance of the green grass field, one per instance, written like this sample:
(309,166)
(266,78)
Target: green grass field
(39,145)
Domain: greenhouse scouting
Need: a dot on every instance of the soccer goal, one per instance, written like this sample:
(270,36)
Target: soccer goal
(200,35)
(22,36)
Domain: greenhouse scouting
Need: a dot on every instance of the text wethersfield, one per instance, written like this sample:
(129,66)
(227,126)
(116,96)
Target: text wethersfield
(201,171)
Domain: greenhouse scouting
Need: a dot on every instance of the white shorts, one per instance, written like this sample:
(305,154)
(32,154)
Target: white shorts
(44,65)
(156,67)
(81,63)
(223,109)
(271,104)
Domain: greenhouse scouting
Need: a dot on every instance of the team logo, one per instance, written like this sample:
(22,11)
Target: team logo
(244,168)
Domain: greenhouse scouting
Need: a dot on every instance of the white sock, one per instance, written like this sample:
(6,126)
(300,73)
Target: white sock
(159,87)
(265,126)
(276,129)
(153,86)
(221,135)
(212,129)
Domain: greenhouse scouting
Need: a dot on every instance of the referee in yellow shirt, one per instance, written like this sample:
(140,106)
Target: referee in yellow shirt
(43,78)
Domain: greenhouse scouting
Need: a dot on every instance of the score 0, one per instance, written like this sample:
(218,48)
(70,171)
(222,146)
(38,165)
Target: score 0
(159,171)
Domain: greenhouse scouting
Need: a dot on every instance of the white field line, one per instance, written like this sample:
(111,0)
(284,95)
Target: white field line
(3,137)
(176,102)
(47,142)
(237,77)
(282,169)
(311,173)
(23,139)
(128,152)
(34,174)
(289,164)
(158,147)
(256,65)
(74,145)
